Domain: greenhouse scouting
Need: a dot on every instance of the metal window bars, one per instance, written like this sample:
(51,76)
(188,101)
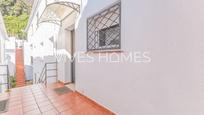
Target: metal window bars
(104,29)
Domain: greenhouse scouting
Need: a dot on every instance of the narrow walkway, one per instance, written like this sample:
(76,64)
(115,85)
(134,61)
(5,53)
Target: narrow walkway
(20,75)
(39,100)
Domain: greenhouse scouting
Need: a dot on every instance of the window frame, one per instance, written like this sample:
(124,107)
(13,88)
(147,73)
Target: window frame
(119,23)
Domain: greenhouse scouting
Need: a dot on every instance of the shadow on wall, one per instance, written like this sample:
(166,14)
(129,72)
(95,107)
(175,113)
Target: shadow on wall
(38,64)
(11,65)
(28,72)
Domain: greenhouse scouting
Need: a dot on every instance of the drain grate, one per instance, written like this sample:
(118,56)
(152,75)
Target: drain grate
(62,90)
(3,105)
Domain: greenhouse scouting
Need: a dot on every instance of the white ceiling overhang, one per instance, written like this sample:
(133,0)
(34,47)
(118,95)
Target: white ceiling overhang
(56,11)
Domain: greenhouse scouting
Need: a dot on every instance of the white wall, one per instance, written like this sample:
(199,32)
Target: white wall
(172,84)
(3,37)
(63,54)
(10,54)
(2,50)
(38,64)
(43,45)
(27,60)
(3,69)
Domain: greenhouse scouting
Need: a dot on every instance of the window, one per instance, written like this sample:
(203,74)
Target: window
(103,29)
(107,35)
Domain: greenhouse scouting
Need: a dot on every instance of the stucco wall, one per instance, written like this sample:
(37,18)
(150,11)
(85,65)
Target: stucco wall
(27,61)
(63,54)
(10,54)
(3,37)
(1,50)
(172,84)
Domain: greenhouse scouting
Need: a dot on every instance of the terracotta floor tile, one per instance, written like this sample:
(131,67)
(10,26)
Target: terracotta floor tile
(58,104)
(69,112)
(30,108)
(28,96)
(40,97)
(39,94)
(51,112)
(80,107)
(16,103)
(27,99)
(33,112)
(44,104)
(15,94)
(26,103)
(14,112)
(11,108)
(15,99)
(42,100)
(46,108)
(37,99)
(63,108)
(52,97)
(88,112)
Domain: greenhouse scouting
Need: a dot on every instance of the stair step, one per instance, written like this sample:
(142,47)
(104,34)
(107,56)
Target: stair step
(20,75)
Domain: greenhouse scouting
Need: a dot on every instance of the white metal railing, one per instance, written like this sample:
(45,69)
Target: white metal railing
(4,76)
(44,73)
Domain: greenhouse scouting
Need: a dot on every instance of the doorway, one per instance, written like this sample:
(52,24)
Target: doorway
(72,56)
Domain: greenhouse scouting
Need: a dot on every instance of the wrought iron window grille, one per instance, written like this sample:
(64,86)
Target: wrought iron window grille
(104,29)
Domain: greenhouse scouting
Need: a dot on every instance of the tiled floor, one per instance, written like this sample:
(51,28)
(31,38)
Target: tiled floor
(20,74)
(71,86)
(38,100)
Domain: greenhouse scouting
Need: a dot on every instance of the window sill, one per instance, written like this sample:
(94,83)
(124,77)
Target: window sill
(106,51)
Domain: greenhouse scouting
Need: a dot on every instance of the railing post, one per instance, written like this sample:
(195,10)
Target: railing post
(45,74)
(8,81)
(56,72)
(35,79)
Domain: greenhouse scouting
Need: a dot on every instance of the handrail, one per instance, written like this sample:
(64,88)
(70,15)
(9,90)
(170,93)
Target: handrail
(40,79)
(43,75)
(7,76)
